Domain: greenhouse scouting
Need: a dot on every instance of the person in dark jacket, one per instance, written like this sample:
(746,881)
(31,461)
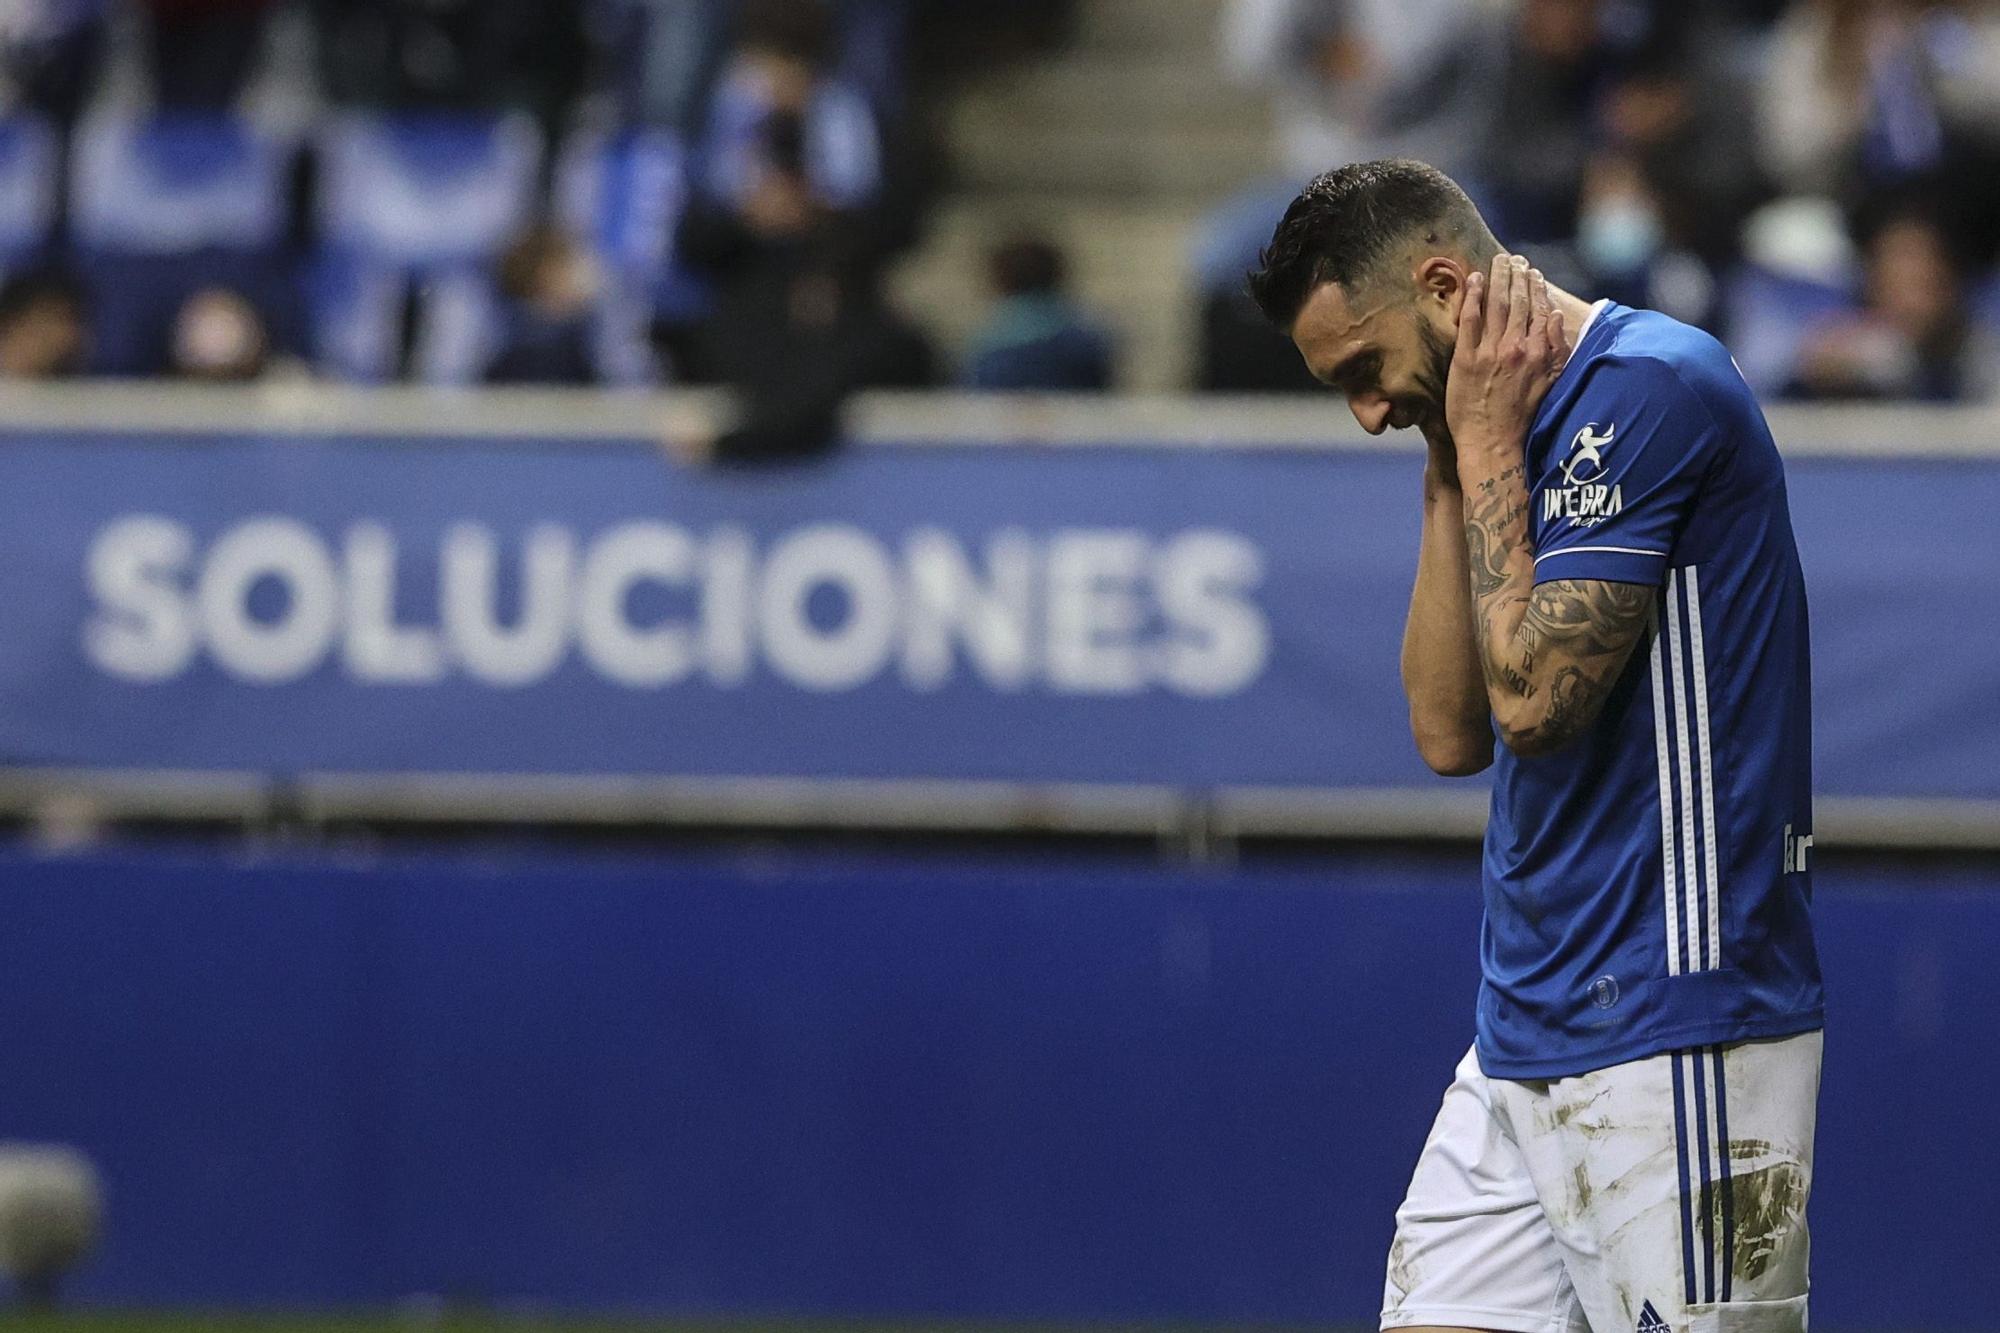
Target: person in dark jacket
(1037,337)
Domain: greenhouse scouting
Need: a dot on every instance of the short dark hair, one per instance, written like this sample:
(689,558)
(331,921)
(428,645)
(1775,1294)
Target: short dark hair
(1026,265)
(1346,222)
(36,287)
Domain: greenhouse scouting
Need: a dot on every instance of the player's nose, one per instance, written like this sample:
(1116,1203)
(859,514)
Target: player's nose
(1371,410)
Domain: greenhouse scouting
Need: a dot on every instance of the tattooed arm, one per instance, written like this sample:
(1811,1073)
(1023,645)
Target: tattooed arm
(1550,652)
(1449,715)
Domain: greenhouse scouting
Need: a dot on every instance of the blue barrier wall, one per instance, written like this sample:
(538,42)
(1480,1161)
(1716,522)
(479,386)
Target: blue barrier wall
(1008,1088)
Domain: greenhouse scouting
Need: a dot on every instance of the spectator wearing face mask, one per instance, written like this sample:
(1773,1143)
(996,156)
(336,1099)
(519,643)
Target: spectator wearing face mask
(1676,110)
(1620,232)
(1540,141)
(1618,151)
(1633,243)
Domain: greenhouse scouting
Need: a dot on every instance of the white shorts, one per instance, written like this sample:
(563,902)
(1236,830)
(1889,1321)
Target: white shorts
(1666,1195)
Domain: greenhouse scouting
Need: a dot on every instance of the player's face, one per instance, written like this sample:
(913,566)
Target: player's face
(1389,358)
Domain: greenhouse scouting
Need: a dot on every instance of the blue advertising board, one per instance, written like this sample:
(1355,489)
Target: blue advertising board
(1187,618)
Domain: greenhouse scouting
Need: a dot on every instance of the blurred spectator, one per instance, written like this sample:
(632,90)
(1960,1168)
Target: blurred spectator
(164,206)
(1800,267)
(1676,111)
(1037,337)
(1821,89)
(548,288)
(796,329)
(1358,79)
(1621,229)
(800,319)
(203,51)
(1914,337)
(219,337)
(1867,96)
(1561,55)
(782,114)
(1637,242)
(50,54)
(791,225)
(1349,80)
(660,59)
(44,332)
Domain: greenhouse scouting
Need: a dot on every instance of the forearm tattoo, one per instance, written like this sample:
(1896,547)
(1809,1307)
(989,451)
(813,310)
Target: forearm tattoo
(1557,645)
(1588,626)
(1495,525)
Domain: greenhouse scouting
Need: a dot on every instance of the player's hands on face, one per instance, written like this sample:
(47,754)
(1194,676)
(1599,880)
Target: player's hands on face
(1510,350)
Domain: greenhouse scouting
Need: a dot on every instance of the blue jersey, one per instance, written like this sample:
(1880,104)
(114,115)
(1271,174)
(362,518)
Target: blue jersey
(1647,885)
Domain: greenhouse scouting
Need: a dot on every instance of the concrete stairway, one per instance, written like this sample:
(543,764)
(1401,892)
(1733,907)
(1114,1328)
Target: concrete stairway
(1114,147)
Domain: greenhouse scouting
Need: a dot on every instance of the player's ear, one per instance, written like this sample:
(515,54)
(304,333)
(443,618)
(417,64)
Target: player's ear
(1441,279)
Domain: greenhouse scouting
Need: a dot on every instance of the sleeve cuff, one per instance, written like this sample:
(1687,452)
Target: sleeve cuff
(1613,564)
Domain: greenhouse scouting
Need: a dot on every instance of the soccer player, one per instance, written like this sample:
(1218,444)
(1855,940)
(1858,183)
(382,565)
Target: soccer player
(1607,580)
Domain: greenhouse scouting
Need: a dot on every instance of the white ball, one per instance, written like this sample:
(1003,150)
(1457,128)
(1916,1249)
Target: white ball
(50,1208)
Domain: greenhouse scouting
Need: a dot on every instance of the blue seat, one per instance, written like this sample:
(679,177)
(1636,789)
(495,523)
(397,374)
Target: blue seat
(29,172)
(164,206)
(622,194)
(409,202)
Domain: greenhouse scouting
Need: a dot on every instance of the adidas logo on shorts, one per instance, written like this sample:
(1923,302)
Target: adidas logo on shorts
(1650,1321)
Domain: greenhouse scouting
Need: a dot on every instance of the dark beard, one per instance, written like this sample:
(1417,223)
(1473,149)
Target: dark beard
(1425,408)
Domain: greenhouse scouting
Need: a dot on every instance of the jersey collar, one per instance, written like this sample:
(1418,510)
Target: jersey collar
(1590,321)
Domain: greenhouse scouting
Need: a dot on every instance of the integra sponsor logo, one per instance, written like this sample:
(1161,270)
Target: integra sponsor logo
(1584,500)
(1583,505)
